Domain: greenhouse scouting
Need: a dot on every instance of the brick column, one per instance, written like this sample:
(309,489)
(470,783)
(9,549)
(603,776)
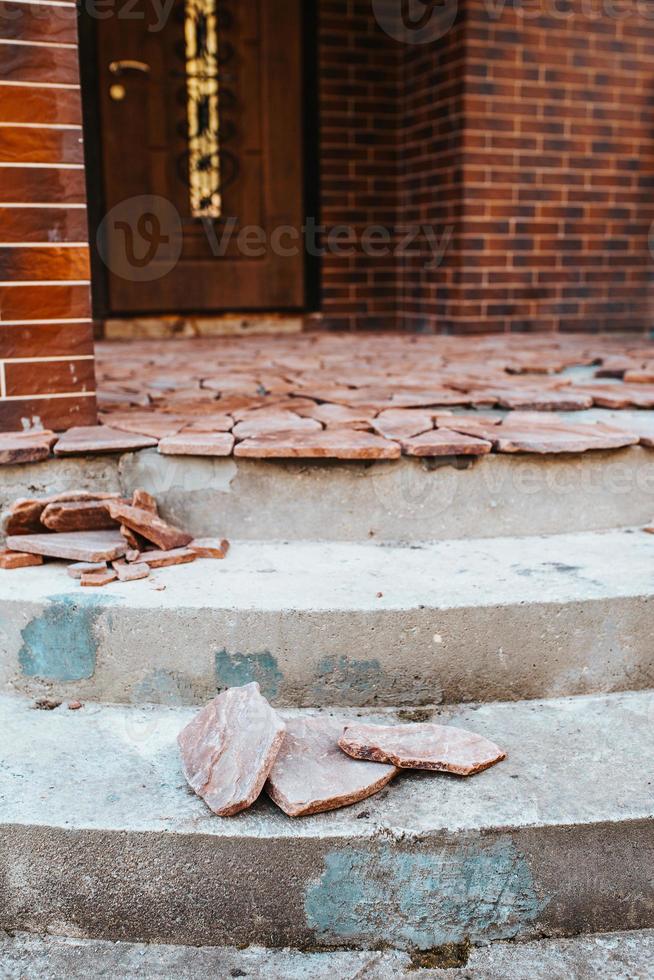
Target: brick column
(46,337)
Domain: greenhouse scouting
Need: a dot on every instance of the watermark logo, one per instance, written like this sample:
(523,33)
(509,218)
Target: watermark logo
(415,21)
(140,239)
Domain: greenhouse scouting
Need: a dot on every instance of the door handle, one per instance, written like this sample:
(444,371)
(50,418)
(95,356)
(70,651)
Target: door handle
(128,64)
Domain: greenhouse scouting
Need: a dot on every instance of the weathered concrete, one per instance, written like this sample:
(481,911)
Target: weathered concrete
(100,838)
(402,500)
(608,956)
(344,623)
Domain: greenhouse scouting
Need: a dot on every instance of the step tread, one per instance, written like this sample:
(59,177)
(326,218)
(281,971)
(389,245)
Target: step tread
(274,576)
(571,761)
(605,956)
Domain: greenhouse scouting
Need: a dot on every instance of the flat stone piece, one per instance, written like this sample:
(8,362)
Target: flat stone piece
(268,422)
(24,515)
(329,444)
(97,579)
(79,568)
(210,547)
(161,559)
(149,526)
(229,749)
(153,424)
(132,572)
(25,447)
(88,515)
(547,437)
(76,545)
(100,439)
(141,498)
(442,748)
(197,444)
(403,423)
(18,559)
(311,774)
(444,442)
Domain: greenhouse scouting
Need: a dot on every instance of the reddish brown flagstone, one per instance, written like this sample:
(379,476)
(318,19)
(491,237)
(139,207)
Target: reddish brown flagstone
(76,545)
(149,526)
(442,748)
(161,559)
(97,579)
(131,572)
(153,424)
(25,514)
(312,775)
(25,447)
(444,442)
(100,439)
(77,569)
(229,749)
(141,498)
(197,444)
(332,443)
(85,515)
(210,547)
(18,559)
(265,422)
(403,423)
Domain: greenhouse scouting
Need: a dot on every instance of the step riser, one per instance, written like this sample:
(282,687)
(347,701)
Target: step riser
(406,500)
(93,648)
(283,892)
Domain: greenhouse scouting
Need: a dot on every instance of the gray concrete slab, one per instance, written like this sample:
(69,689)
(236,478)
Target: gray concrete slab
(402,500)
(99,836)
(609,956)
(345,623)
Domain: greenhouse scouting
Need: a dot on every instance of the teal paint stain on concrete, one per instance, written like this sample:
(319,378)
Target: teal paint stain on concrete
(60,643)
(236,669)
(341,680)
(477,891)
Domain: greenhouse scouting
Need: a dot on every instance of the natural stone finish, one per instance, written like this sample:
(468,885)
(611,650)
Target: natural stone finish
(24,516)
(25,447)
(100,439)
(131,572)
(399,423)
(89,515)
(444,442)
(149,526)
(76,545)
(269,422)
(77,569)
(442,748)
(18,559)
(197,444)
(210,547)
(311,774)
(548,437)
(141,498)
(98,579)
(161,559)
(229,748)
(332,443)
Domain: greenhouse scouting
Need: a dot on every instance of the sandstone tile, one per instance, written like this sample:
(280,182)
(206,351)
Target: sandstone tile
(153,424)
(263,423)
(18,559)
(100,439)
(133,541)
(312,775)
(210,423)
(210,547)
(149,526)
(141,498)
(87,515)
(442,748)
(161,559)
(77,569)
(397,423)
(25,447)
(197,444)
(445,442)
(130,572)
(24,516)
(337,415)
(332,443)
(97,579)
(229,749)
(90,546)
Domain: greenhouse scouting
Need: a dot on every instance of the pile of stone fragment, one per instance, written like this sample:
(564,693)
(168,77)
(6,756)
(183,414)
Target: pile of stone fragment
(238,745)
(104,535)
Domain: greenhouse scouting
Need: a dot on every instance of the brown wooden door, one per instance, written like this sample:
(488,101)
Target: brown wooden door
(162,255)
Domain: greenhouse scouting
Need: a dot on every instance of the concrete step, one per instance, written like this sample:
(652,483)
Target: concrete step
(402,500)
(100,837)
(607,956)
(345,623)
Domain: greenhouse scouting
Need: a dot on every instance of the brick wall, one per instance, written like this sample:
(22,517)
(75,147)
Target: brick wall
(46,347)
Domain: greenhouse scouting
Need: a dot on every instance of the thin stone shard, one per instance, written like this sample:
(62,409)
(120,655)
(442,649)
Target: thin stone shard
(229,749)
(442,748)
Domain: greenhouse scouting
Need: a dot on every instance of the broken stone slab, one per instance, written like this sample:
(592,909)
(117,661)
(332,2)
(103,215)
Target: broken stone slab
(100,439)
(141,498)
(161,559)
(87,515)
(441,748)
(79,568)
(149,526)
(444,442)
(210,547)
(97,579)
(25,447)
(76,545)
(270,421)
(131,572)
(312,775)
(328,444)
(24,516)
(403,423)
(197,444)
(229,749)
(18,559)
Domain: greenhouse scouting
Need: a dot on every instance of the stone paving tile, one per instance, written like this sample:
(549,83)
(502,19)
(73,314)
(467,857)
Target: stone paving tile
(190,443)
(100,439)
(327,444)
